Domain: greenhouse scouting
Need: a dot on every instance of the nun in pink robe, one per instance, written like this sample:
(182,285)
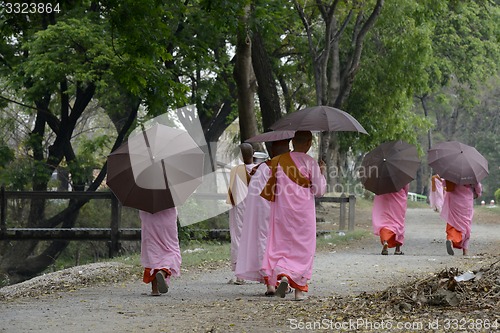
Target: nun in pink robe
(160,249)
(458,211)
(388,218)
(237,196)
(291,242)
(436,195)
(255,226)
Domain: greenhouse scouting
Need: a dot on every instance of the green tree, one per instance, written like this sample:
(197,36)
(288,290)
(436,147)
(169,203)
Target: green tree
(465,53)
(57,66)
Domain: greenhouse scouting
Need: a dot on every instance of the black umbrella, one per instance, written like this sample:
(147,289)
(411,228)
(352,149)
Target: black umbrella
(389,167)
(458,162)
(272,136)
(157,169)
(319,118)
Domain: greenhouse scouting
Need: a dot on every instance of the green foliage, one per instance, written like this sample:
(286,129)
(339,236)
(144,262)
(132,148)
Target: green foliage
(497,196)
(6,155)
(393,68)
(19,174)
(465,54)
(465,40)
(200,231)
(75,48)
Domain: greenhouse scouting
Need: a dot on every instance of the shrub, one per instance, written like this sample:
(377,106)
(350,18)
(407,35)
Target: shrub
(497,196)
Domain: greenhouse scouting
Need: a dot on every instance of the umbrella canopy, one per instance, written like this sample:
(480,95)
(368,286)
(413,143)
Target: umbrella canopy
(157,169)
(319,118)
(389,167)
(272,136)
(457,162)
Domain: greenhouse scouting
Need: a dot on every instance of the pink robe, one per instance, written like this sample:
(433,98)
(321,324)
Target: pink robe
(159,241)
(255,227)
(291,242)
(239,189)
(389,211)
(458,209)
(436,197)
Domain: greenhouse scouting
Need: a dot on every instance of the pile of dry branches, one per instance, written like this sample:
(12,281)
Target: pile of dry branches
(479,289)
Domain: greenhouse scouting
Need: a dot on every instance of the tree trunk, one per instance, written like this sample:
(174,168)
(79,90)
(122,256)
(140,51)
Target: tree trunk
(245,82)
(268,93)
(424,173)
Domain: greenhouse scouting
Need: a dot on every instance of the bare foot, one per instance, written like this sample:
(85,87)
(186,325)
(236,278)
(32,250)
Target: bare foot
(465,252)
(239,281)
(271,291)
(299,295)
(398,251)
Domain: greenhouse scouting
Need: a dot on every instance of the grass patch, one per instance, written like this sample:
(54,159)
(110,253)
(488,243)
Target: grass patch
(326,241)
(418,204)
(486,214)
(205,254)
(487,209)
(195,255)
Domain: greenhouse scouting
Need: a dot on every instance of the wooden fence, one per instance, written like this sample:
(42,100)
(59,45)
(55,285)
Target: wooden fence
(114,234)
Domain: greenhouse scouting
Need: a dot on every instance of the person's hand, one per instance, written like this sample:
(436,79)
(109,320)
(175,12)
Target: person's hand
(322,167)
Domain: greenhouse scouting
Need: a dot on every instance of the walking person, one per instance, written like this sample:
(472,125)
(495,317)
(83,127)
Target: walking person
(296,179)
(388,219)
(160,251)
(458,211)
(236,197)
(436,195)
(256,222)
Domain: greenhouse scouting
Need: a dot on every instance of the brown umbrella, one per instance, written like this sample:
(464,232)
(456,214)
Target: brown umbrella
(272,136)
(157,169)
(457,162)
(319,118)
(389,167)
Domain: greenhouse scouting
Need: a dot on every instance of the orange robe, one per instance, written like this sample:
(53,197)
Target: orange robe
(458,211)
(291,241)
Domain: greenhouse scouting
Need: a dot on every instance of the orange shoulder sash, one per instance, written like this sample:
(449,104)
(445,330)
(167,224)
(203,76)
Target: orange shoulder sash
(450,187)
(290,169)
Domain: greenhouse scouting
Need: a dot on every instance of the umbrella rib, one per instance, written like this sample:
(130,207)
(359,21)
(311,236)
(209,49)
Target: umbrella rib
(164,173)
(147,145)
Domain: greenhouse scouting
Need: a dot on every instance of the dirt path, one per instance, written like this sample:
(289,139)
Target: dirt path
(204,302)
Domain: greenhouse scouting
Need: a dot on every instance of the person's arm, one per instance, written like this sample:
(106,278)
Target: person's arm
(406,189)
(478,190)
(318,180)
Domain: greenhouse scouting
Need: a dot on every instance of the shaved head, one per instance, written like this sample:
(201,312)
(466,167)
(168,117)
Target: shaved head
(247,153)
(280,147)
(302,141)
(302,136)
